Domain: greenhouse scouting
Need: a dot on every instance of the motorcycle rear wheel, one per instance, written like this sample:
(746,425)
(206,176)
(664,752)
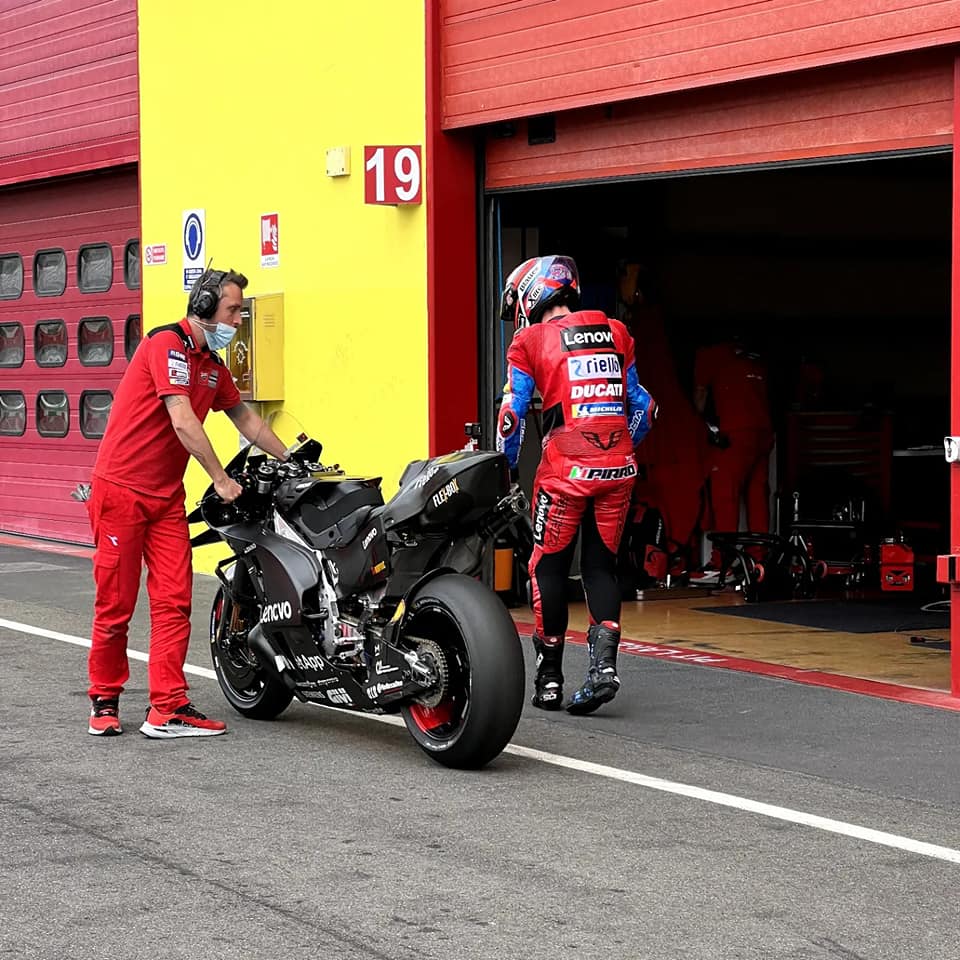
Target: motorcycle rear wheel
(248,687)
(482,694)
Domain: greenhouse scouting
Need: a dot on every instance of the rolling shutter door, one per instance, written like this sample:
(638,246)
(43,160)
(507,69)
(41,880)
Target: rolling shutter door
(63,339)
(894,104)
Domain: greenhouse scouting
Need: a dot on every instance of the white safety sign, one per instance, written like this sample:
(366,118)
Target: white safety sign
(270,240)
(194,246)
(155,254)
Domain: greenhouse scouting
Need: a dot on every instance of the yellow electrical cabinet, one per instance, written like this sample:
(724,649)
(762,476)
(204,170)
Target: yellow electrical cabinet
(255,355)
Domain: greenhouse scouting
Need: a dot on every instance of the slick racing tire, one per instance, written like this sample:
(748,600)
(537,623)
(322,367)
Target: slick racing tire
(467,633)
(248,687)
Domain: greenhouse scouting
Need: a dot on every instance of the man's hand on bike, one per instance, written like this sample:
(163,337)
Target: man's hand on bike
(227,489)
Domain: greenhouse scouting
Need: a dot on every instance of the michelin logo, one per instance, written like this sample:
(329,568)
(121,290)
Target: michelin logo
(597,409)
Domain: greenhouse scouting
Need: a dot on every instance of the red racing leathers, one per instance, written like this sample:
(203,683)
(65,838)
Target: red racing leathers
(594,412)
(138,514)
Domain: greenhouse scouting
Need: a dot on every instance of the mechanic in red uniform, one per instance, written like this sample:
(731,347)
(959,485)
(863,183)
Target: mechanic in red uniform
(733,379)
(594,413)
(673,462)
(137,508)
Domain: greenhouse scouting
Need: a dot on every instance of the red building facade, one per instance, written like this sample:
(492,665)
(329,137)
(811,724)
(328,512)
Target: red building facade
(530,95)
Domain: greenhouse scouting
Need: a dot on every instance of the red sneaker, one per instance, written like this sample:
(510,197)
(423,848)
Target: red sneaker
(104,717)
(185,721)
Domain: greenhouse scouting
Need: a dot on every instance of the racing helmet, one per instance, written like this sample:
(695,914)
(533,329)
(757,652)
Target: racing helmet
(536,285)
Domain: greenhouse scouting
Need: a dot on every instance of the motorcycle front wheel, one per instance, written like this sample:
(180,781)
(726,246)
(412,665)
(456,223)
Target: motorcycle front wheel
(248,687)
(465,632)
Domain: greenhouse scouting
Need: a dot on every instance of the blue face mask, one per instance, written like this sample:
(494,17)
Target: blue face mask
(218,338)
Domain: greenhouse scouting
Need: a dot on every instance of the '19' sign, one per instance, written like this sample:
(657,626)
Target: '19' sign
(392,175)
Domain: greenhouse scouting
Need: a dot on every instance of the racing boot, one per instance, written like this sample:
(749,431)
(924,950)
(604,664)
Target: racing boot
(548,683)
(602,682)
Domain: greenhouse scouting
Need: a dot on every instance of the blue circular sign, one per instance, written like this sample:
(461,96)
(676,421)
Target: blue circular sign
(193,236)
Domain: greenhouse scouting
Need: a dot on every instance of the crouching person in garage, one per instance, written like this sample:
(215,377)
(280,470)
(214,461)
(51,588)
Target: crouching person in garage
(137,508)
(594,413)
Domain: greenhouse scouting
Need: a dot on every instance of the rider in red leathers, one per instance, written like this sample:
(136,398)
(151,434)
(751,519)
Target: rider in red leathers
(594,413)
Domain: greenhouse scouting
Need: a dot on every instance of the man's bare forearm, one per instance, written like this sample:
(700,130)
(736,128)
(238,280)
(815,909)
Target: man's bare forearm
(255,429)
(191,434)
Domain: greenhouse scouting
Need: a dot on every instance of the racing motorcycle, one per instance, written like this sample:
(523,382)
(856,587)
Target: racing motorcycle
(332,596)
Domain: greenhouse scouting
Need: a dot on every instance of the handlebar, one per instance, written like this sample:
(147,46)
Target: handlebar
(258,476)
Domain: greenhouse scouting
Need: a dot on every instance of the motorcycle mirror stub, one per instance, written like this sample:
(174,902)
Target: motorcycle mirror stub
(305,450)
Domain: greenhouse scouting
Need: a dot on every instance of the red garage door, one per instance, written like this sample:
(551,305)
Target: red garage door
(900,103)
(69,318)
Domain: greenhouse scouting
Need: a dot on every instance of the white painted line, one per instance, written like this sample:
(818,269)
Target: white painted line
(614,773)
(85,642)
(743,803)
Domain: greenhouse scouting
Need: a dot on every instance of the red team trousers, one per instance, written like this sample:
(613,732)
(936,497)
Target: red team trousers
(740,471)
(130,529)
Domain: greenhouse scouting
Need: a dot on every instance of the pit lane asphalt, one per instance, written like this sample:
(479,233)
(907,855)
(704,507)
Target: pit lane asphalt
(331,835)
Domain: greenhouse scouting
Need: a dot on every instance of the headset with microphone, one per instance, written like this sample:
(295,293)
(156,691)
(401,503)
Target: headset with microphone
(206,294)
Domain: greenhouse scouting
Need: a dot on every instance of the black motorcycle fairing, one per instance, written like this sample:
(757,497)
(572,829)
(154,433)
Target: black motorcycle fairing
(290,577)
(205,538)
(449,492)
(363,562)
(325,493)
(408,563)
(394,628)
(389,679)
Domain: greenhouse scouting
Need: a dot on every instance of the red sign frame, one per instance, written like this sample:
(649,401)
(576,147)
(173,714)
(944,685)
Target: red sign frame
(392,175)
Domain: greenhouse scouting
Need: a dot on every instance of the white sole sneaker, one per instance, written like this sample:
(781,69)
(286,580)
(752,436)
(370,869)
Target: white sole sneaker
(166,732)
(109,732)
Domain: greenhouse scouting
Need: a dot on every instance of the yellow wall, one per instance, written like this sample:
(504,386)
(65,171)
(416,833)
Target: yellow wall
(239,102)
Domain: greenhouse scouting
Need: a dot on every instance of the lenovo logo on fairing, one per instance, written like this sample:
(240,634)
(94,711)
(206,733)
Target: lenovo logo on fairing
(582,338)
(276,611)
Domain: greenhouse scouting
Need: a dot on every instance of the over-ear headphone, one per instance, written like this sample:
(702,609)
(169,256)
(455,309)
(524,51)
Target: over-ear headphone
(206,294)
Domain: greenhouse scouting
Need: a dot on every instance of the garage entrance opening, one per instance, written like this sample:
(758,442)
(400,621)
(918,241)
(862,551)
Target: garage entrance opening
(837,277)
